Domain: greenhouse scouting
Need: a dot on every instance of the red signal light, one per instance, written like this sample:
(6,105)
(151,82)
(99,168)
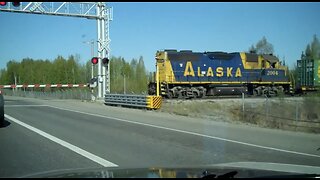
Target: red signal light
(3,3)
(95,60)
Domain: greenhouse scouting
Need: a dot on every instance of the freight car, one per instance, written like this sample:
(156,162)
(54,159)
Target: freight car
(308,75)
(187,74)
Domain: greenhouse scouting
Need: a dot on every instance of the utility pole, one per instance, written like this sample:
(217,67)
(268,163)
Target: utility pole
(15,81)
(92,53)
(124,84)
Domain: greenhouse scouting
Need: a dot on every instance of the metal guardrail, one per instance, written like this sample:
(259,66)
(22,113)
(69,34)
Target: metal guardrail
(141,101)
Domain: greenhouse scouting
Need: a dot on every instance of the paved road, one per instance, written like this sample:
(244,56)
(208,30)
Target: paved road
(50,135)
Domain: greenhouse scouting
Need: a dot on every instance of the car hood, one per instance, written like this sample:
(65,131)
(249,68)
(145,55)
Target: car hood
(236,169)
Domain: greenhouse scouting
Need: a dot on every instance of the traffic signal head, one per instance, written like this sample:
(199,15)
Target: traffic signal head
(95,60)
(105,61)
(3,3)
(16,4)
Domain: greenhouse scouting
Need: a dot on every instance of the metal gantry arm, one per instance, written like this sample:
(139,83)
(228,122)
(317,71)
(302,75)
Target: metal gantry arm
(74,9)
(90,10)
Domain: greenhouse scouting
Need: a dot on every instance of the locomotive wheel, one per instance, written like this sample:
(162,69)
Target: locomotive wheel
(195,95)
(169,95)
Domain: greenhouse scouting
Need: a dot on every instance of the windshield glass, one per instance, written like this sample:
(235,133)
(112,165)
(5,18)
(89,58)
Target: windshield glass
(228,86)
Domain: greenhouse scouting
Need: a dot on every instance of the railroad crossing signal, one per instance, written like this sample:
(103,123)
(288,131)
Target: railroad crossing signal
(95,60)
(15,4)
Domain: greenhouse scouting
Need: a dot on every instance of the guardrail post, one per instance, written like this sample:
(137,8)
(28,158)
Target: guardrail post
(242,106)
(297,116)
(267,108)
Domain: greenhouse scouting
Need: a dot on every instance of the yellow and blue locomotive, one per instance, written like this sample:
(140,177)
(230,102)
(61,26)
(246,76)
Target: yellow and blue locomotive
(187,74)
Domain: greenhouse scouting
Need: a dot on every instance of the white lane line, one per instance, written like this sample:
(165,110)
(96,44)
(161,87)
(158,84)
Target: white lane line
(74,148)
(192,133)
(24,105)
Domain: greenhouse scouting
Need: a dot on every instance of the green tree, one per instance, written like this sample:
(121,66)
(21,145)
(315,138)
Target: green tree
(252,49)
(59,69)
(308,51)
(115,75)
(12,71)
(62,71)
(315,48)
(141,76)
(262,47)
(72,70)
(312,50)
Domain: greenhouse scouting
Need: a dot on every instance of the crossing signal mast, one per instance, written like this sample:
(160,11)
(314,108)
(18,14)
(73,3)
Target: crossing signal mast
(89,10)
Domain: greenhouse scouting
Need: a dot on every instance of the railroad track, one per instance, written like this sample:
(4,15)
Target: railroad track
(226,97)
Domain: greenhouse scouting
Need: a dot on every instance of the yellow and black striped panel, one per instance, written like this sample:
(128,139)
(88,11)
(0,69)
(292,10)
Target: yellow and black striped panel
(154,102)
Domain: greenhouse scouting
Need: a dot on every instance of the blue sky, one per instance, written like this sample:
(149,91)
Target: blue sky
(140,29)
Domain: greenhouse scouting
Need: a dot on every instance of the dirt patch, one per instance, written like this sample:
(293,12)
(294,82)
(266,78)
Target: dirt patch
(295,114)
(202,109)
